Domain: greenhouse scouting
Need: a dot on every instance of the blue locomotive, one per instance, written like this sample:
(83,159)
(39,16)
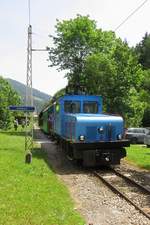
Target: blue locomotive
(83,131)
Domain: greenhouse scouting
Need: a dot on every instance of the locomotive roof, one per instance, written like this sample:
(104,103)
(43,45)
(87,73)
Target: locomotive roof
(80,97)
(73,97)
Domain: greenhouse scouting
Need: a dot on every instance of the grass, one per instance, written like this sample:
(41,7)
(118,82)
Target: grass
(31,194)
(139,155)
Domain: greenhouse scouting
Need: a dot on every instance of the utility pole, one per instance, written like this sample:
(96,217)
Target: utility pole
(29,101)
(29,95)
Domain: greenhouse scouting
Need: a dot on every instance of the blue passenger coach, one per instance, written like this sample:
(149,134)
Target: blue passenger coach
(84,132)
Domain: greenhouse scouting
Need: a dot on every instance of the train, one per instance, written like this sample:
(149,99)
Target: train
(86,134)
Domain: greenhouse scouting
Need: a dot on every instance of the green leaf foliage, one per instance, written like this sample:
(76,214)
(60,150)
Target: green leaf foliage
(102,63)
(135,109)
(143,51)
(8,96)
(114,76)
(146,98)
(72,44)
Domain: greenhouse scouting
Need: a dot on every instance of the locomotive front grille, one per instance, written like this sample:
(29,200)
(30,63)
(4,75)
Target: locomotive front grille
(110,132)
(91,133)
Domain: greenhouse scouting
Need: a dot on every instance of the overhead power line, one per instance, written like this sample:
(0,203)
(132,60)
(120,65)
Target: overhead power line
(131,14)
(41,49)
(29,10)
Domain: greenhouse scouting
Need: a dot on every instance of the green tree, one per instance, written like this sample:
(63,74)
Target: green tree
(104,64)
(76,39)
(143,51)
(135,108)
(114,75)
(146,98)
(8,96)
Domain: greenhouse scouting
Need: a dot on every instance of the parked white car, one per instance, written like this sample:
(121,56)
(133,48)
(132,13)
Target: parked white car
(136,135)
(147,139)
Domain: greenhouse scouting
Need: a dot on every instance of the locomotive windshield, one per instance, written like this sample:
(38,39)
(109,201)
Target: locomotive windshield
(72,107)
(90,107)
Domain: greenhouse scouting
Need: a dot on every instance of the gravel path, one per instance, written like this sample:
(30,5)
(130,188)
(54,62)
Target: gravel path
(139,175)
(96,203)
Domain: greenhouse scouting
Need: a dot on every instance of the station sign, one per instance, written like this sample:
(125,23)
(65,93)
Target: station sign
(22,108)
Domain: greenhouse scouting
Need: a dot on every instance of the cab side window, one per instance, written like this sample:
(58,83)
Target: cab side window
(90,107)
(72,107)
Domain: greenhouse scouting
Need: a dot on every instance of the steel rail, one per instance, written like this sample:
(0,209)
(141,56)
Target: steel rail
(116,190)
(128,179)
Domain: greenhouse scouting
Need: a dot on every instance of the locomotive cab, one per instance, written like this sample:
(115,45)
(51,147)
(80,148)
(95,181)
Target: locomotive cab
(87,134)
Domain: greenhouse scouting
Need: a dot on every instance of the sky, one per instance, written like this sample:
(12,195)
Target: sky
(14,20)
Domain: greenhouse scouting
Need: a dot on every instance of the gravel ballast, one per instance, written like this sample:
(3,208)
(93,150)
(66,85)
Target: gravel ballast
(96,203)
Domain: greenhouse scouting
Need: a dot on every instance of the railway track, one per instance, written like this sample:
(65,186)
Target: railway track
(124,186)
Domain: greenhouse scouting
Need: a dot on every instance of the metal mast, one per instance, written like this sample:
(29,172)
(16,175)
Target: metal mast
(29,95)
(29,98)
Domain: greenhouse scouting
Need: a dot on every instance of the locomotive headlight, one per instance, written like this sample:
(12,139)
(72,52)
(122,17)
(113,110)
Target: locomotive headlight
(101,130)
(119,136)
(81,137)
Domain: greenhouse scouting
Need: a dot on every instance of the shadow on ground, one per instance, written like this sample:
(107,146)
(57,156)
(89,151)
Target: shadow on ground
(54,156)
(58,162)
(14,133)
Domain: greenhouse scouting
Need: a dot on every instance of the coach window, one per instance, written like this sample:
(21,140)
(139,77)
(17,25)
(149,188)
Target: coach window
(90,107)
(72,106)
